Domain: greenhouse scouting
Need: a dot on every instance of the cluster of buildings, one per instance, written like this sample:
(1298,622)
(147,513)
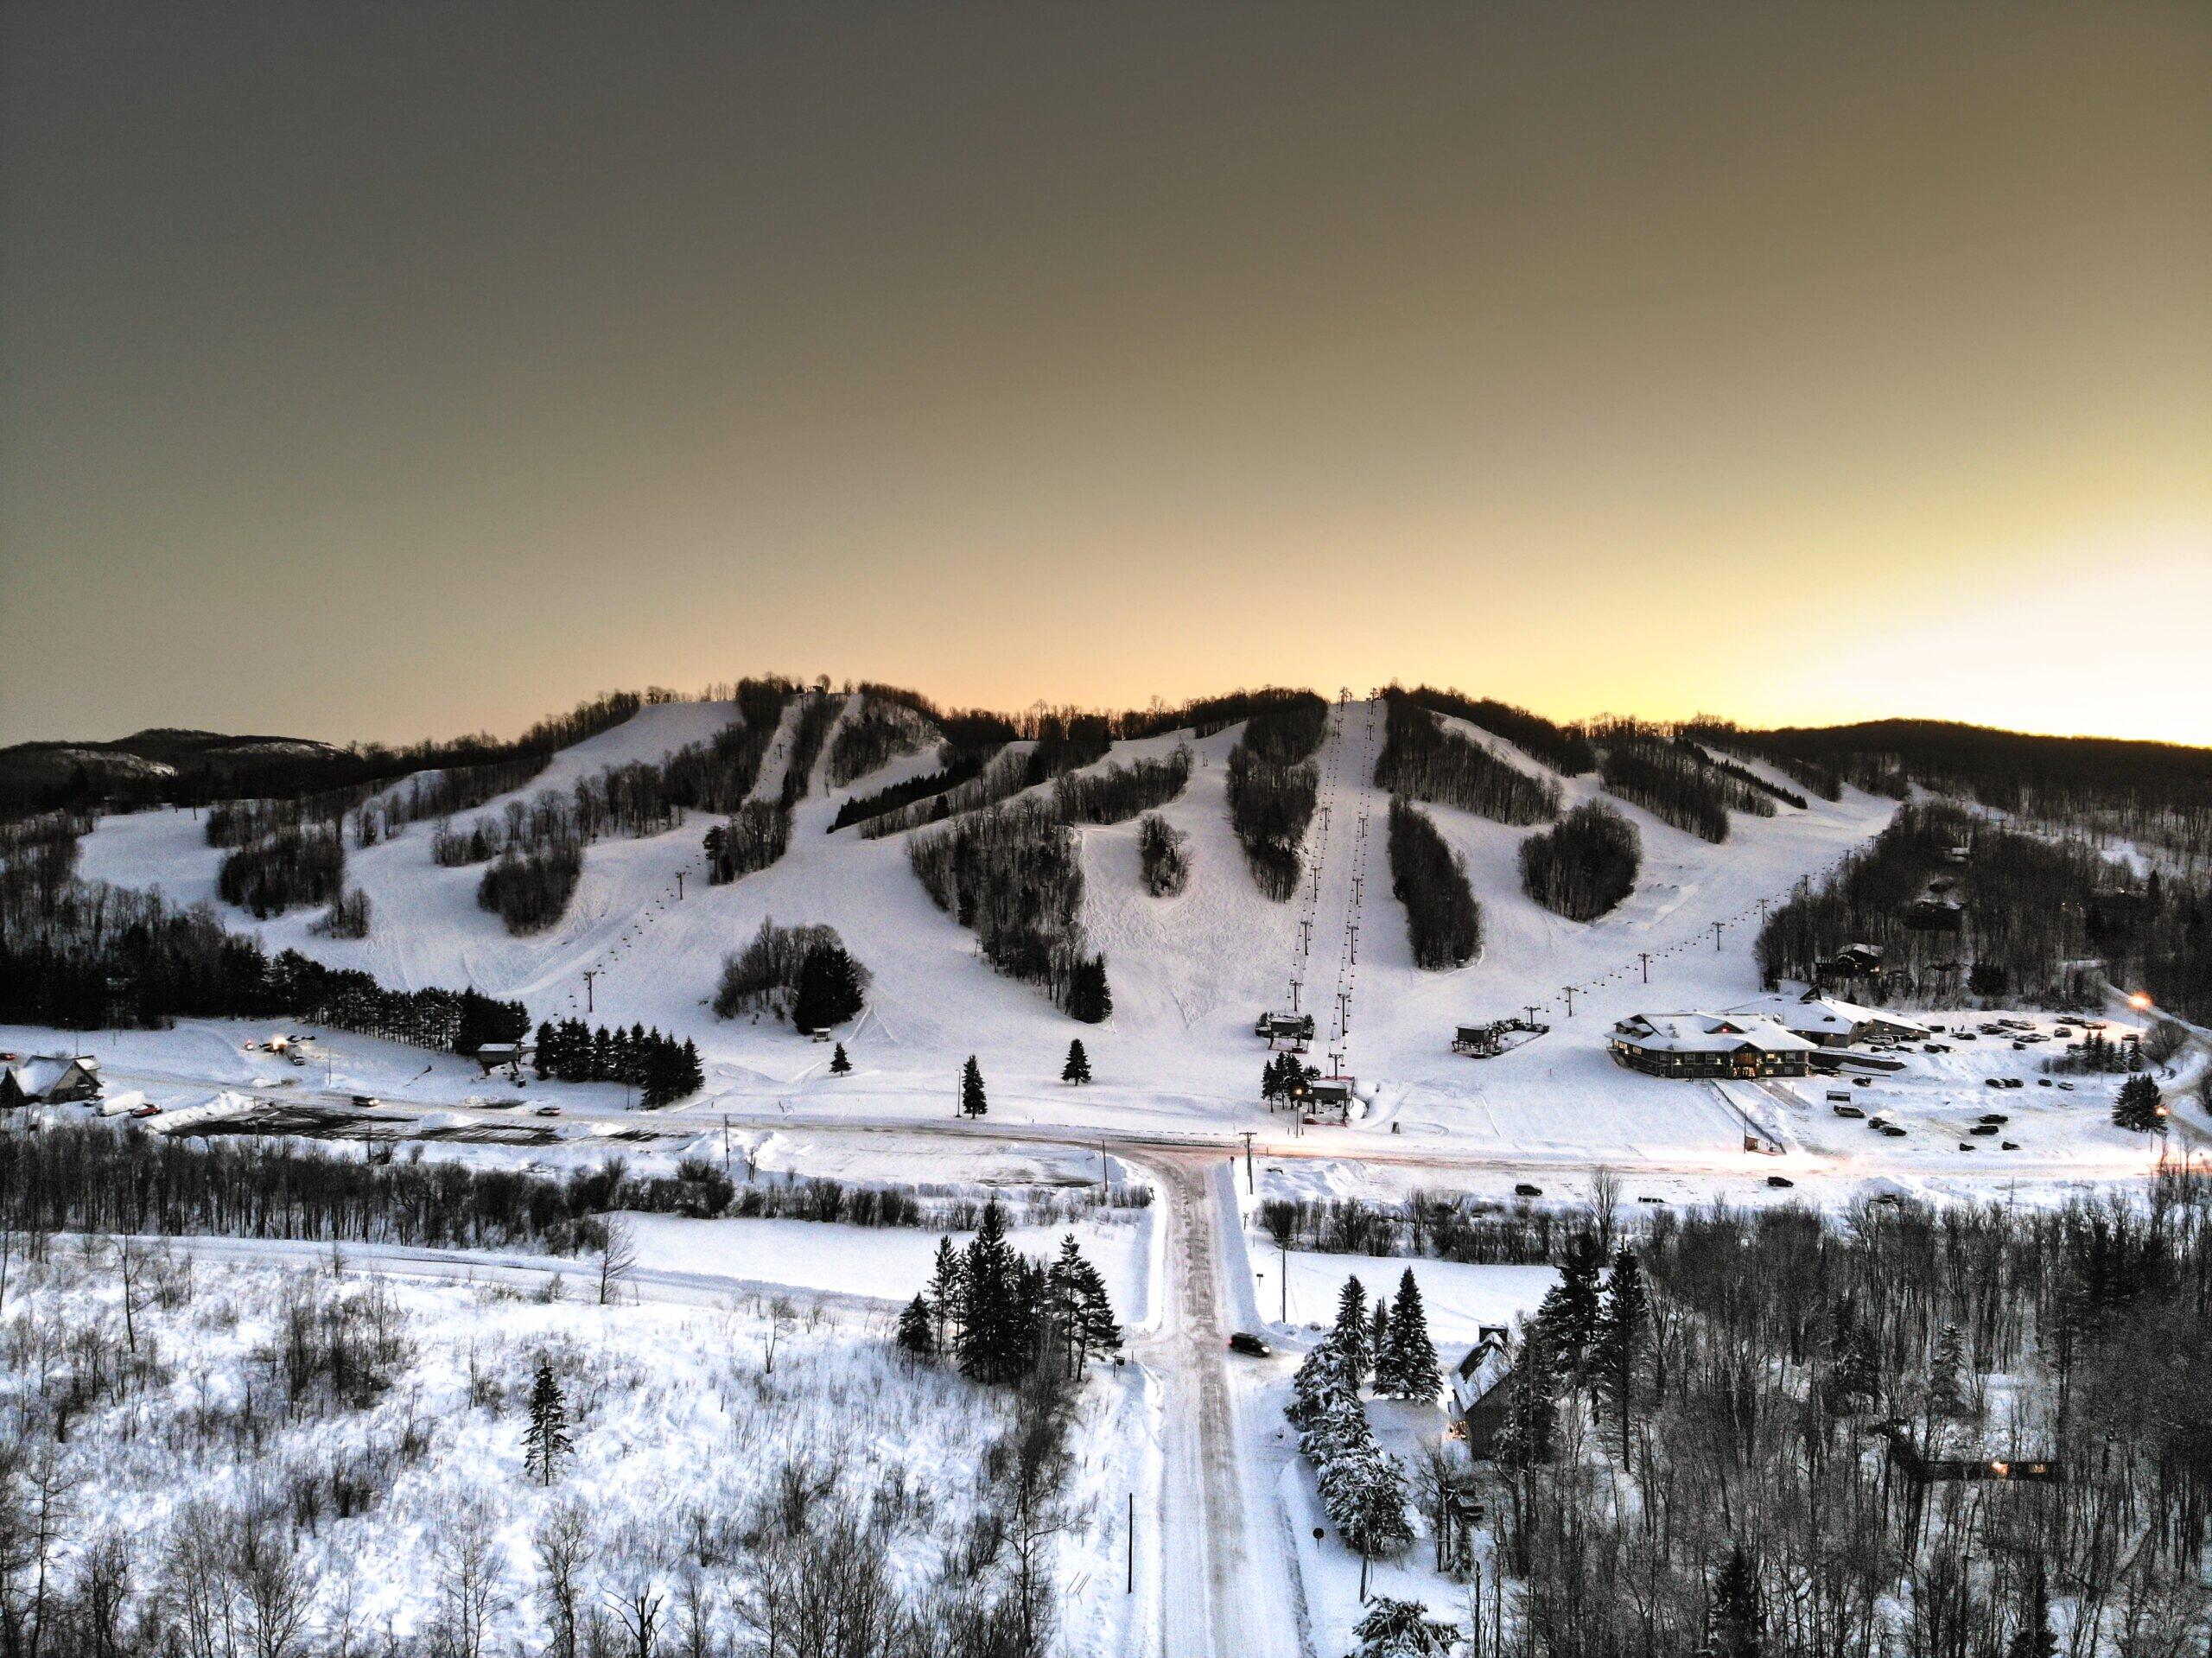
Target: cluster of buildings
(1780,1036)
(47,1079)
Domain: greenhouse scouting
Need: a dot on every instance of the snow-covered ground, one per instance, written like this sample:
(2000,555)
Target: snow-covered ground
(682,1429)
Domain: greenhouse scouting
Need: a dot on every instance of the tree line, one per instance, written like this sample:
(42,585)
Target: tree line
(1565,749)
(1583,865)
(882,732)
(1424,762)
(1003,1317)
(1013,875)
(1444,923)
(2035,917)
(661,1069)
(1666,780)
(1118,793)
(1273,784)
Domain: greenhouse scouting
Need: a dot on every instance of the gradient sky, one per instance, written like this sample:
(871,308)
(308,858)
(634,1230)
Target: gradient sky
(391,371)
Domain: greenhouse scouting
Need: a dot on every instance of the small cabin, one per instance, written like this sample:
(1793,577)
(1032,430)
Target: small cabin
(1853,961)
(1478,1400)
(49,1079)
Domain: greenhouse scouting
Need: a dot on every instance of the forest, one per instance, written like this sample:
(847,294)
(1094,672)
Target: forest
(1565,749)
(1013,875)
(1118,793)
(1444,924)
(1667,781)
(1273,783)
(529,890)
(756,835)
(661,1069)
(956,767)
(301,864)
(801,973)
(1960,1432)
(1422,761)
(1161,856)
(2033,917)
(882,732)
(1583,865)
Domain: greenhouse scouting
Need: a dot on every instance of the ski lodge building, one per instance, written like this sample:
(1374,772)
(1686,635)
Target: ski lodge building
(1827,1023)
(1707,1045)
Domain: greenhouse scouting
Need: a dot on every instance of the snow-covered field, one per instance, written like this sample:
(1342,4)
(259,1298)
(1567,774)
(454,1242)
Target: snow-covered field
(196,1424)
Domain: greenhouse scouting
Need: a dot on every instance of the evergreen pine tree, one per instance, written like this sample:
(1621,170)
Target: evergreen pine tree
(972,1103)
(1622,1326)
(1088,997)
(1271,1080)
(1530,1434)
(548,1050)
(1351,1333)
(2035,1638)
(1077,1069)
(1378,1339)
(2137,1106)
(917,1329)
(944,1292)
(692,1075)
(1738,1620)
(1407,1369)
(1322,1377)
(545,1441)
(1946,1376)
(994,1341)
(1569,1314)
(839,1065)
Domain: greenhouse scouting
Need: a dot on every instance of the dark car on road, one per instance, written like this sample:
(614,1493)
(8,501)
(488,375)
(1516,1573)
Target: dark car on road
(1251,1346)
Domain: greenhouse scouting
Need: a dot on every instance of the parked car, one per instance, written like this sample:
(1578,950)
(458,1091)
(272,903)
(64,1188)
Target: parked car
(1838,1094)
(2066,1087)
(1893,1131)
(1983,1129)
(1251,1346)
(1848,1110)
(149,1109)
(547,1111)
(1524,1190)
(1995,1116)
(1782,1180)
(2008,1145)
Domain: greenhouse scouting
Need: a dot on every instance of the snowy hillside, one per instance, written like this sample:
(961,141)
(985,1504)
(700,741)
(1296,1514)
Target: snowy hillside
(1189,973)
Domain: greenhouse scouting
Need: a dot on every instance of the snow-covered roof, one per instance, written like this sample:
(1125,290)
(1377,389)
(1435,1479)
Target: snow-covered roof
(1707,1034)
(1827,1016)
(1484,1366)
(41,1074)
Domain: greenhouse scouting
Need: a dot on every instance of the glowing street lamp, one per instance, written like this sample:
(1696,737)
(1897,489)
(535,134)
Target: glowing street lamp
(2139,1001)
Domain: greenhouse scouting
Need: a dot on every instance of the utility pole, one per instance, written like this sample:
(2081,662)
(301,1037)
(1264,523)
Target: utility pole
(1249,1185)
(1644,956)
(1131,1587)
(590,973)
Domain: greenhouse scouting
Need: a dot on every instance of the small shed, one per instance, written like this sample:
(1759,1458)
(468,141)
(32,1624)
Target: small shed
(49,1079)
(503,1056)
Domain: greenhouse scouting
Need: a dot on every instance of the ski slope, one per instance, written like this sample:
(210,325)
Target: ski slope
(1189,973)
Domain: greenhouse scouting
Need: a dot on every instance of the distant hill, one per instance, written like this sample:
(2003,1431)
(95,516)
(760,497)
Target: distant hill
(165,764)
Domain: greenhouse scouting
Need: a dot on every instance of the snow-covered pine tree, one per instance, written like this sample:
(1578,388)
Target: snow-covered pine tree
(1402,1628)
(839,1065)
(1077,1069)
(545,1442)
(917,1329)
(1322,1376)
(972,1103)
(1350,1334)
(2137,1107)
(1378,1338)
(1407,1369)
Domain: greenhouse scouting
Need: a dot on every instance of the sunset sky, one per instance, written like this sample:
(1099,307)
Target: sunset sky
(387,371)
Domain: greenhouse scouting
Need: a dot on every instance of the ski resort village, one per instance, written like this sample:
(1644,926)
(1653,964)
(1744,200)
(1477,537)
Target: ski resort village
(797,1169)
